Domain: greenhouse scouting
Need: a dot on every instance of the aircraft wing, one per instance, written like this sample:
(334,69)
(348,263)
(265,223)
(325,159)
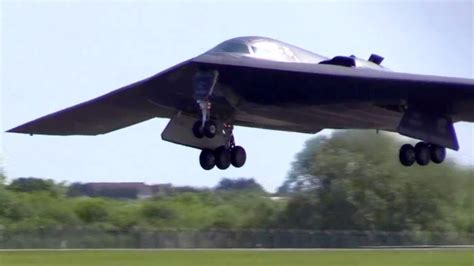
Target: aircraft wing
(263,82)
(118,109)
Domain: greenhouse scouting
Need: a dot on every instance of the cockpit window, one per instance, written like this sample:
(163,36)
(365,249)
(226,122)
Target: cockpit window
(273,51)
(232,47)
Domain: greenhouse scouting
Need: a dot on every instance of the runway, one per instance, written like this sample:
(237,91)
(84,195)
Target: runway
(379,248)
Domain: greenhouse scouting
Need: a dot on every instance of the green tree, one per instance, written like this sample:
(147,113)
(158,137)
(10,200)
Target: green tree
(353,181)
(3,178)
(92,210)
(227,184)
(32,184)
(300,213)
(156,210)
(12,208)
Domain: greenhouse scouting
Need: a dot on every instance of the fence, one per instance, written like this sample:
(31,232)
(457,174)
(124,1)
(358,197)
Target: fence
(139,238)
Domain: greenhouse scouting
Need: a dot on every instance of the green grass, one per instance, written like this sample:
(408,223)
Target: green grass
(239,258)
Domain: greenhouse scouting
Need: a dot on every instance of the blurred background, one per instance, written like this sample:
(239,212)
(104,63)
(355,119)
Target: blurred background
(128,189)
(341,191)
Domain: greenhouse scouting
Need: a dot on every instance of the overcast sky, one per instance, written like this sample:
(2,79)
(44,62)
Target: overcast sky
(57,53)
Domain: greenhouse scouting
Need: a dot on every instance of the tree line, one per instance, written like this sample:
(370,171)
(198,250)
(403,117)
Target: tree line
(349,181)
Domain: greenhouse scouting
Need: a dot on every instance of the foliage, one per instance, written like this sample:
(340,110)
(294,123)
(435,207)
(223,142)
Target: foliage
(79,189)
(228,184)
(353,181)
(2,177)
(350,181)
(92,210)
(33,184)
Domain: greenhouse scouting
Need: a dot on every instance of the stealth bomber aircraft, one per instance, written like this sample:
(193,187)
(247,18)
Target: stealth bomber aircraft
(264,83)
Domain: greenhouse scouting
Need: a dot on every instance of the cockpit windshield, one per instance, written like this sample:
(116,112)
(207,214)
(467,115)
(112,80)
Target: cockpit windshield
(232,47)
(275,51)
(259,49)
(266,48)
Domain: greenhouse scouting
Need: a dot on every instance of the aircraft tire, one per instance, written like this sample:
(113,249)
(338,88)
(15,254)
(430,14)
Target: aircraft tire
(438,153)
(198,130)
(207,159)
(238,156)
(407,155)
(422,153)
(223,156)
(210,129)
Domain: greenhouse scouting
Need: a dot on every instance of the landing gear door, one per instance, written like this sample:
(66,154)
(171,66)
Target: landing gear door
(430,128)
(179,131)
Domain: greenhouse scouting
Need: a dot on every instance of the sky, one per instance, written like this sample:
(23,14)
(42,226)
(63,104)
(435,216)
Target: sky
(55,54)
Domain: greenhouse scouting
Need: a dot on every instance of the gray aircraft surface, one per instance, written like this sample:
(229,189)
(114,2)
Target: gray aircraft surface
(264,83)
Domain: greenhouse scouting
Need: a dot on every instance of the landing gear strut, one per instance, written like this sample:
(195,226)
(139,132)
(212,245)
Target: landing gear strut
(203,85)
(423,153)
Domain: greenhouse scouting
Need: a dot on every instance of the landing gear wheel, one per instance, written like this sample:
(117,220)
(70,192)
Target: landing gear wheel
(210,129)
(223,156)
(407,155)
(238,156)
(207,159)
(422,153)
(198,131)
(438,153)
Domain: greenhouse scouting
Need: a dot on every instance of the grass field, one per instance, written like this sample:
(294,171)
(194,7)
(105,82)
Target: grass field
(239,258)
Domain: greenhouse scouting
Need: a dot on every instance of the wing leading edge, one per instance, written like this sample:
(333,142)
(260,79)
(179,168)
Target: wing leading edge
(118,109)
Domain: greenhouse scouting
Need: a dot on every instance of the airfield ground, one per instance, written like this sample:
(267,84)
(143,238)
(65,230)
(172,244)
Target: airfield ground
(239,257)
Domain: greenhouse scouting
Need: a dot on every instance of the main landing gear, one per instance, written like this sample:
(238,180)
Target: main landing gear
(224,155)
(228,153)
(422,154)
